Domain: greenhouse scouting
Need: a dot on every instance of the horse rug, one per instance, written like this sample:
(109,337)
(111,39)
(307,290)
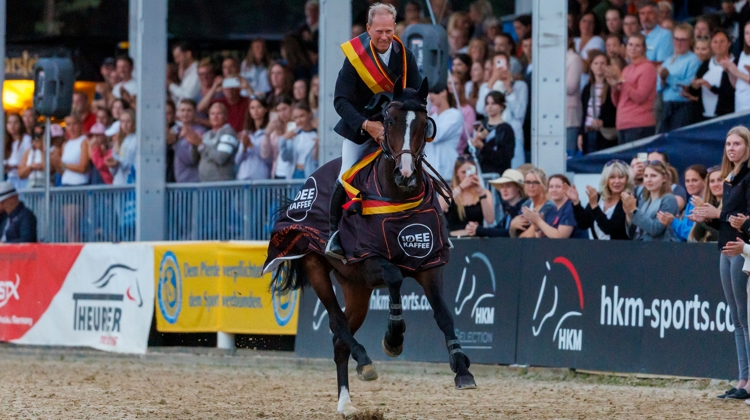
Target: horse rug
(410,235)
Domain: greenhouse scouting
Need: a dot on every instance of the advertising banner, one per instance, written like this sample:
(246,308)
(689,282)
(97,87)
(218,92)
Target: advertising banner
(215,286)
(480,289)
(94,295)
(627,307)
(612,306)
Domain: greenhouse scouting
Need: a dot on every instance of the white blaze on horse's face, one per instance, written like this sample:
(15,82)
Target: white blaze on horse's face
(406,165)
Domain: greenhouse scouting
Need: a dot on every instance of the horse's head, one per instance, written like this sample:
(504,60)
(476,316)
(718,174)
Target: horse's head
(407,130)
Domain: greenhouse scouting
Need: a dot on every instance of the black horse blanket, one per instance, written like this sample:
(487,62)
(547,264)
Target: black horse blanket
(409,234)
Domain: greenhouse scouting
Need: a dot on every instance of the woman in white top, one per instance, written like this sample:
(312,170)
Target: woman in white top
(300,147)
(31,168)
(254,67)
(588,40)
(17,142)
(516,98)
(441,152)
(739,74)
(75,154)
(713,84)
(124,151)
(253,158)
(470,116)
(276,130)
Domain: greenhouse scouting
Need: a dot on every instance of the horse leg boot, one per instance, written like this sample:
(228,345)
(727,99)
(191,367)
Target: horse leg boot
(432,283)
(334,249)
(341,357)
(380,268)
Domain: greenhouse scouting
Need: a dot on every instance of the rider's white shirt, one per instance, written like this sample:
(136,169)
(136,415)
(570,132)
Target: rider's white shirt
(386,56)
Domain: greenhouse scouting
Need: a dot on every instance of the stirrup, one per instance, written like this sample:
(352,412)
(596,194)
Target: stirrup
(334,248)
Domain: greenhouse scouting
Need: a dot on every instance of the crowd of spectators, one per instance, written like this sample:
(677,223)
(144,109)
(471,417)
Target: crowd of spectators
(634,68)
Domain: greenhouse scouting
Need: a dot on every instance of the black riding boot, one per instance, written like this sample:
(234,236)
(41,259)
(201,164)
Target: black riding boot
(334,248)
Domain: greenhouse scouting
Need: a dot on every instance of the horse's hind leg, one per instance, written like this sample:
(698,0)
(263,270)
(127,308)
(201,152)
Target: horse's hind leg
(357,298)
(432,283)
(381,269)
(317,270)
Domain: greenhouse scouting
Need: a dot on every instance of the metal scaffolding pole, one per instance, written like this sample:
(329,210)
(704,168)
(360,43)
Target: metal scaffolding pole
(335,29)
(549,40)
(133,30)
(3,18)
(151,66)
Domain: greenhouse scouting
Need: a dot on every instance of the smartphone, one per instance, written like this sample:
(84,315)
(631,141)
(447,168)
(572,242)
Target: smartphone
(291,126)
(479,124)
(471,170)
(643,157)
(501,63)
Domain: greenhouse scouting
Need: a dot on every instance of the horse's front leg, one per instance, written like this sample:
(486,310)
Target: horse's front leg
(382,269)
(432,283)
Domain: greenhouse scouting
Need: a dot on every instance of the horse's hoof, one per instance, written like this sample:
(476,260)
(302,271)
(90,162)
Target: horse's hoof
(392,351)
(367,373)
(348,411)
(465,382)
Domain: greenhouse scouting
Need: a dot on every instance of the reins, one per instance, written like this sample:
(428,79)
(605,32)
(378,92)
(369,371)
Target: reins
(441,186)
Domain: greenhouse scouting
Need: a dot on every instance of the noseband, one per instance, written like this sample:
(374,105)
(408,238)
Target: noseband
(385,146)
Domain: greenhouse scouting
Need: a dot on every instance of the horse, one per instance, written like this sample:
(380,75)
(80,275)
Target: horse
(400,175)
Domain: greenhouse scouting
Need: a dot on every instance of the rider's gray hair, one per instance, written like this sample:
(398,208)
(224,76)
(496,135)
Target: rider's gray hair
(378,9)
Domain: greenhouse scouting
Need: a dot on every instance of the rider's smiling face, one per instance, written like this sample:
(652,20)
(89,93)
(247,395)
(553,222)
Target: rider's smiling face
(381,31)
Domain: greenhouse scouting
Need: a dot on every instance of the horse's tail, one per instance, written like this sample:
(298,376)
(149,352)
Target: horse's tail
(283,203)
(289,276)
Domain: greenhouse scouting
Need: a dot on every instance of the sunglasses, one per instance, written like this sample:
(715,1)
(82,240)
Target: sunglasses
(657,163)
(613,161)
(532,183)
(465,158)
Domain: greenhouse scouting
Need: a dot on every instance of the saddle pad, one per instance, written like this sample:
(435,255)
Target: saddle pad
(414,240)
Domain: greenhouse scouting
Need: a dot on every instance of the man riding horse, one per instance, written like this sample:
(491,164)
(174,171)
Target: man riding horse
(392,228)
(374,61)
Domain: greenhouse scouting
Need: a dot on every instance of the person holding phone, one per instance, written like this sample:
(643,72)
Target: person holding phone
(516,99)
(471,201)
(493,138)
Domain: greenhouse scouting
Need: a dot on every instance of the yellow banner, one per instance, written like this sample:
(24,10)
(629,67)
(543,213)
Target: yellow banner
(214,286)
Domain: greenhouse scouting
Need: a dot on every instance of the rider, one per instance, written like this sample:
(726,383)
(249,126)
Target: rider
(374,61)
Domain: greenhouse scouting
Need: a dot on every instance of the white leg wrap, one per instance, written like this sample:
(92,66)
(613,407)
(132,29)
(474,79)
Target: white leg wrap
(345,403)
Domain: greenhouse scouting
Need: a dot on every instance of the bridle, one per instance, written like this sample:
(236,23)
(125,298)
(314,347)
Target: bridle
(441,186)
(385,146)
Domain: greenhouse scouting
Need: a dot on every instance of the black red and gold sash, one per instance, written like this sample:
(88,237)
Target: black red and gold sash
(376,74)
(369,205)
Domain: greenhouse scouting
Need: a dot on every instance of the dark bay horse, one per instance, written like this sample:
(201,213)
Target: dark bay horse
(400,175)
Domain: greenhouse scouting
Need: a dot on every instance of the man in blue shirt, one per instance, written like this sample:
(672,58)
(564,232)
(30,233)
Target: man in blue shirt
(658,39)
(678,71)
